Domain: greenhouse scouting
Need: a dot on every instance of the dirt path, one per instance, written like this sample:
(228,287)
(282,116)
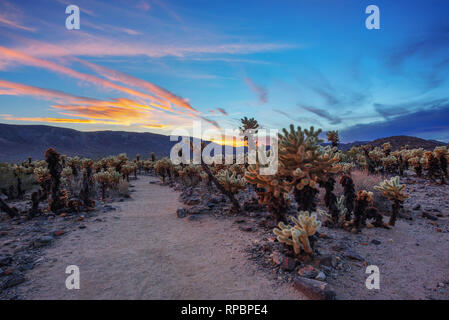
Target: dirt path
(143,251)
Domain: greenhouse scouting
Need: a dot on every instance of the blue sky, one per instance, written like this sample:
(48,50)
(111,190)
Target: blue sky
(154,65)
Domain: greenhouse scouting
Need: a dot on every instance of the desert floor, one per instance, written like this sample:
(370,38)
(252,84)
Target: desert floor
(143,251)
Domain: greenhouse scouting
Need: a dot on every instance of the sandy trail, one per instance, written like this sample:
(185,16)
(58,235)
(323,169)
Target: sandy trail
(143,251)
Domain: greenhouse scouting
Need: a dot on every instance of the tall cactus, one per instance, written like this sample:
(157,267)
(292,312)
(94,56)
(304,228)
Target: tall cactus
(394,191)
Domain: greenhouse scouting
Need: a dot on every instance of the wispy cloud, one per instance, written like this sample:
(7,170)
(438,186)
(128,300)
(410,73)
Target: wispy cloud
(22,58)
(118,111)
(322,114)
(90,45)
(113,75)
(12,17)
(261,92)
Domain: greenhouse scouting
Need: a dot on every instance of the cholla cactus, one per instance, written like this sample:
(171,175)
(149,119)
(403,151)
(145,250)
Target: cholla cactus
(386,148)
(88,182)
(394,191)
(389,163)
(190,174)
(272,191)
(232,183)
(432,165)
(305,226)
(304,165)
(163,168)
(74,164)
(107,179)
(54,166)
(442,154)
(127,168)
(417,163)
(332,136)
(363,200)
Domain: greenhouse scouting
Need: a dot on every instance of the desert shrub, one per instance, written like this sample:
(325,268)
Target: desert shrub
(15,180)
(364,181)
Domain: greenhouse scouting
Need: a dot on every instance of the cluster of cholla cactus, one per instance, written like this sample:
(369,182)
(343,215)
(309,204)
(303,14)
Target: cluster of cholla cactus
(272,190)
(298,235)
(190,175)
(304,164)
(14,179)
(70,183)
(232,183)
(108,179)
(394,191)
(163,168)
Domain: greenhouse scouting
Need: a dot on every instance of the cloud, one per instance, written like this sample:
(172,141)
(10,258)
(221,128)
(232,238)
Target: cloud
(430,123)
(117,76)
(323,114)
(13,24)
(118,111)
(326,95)
(143,5)
(261,92)
(222,111)
(426,43)
(11,17)
(212,122)
(300,119)
(94,46)
(392,110)
(24,59)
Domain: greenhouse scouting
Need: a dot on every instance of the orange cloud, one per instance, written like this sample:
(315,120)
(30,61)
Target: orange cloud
(60,120)
(116,111)
(14,24)
(22,58)
(117,76)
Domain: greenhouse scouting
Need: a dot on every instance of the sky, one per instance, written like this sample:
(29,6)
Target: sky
(156,66)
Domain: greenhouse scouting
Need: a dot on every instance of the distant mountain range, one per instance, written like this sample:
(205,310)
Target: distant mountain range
(396,143)
(18,142)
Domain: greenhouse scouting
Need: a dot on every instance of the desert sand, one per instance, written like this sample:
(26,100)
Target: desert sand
(143,251)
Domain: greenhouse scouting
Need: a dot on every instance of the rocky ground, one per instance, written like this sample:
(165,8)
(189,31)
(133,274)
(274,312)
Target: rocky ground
(412,257)
(23,241)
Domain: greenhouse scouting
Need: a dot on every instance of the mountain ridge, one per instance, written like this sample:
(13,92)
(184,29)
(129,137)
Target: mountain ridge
(18,142)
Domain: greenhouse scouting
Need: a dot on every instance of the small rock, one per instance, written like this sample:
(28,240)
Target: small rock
(58,233)
(82,227)
(181,213)
(14,280)
(308,272)
(326,260)
(194,218)
(288,264)
(246,228)
(199,209)
(192,201)
(277,257)
(376,242)
(429,216)
(42,241)
(321,276)
(417,207)
(314,289)
(351,254)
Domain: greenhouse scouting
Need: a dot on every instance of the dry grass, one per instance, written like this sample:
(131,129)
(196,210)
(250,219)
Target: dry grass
(364,181)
